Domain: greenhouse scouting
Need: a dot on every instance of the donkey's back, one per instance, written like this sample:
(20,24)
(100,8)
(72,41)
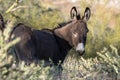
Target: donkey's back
(35,44)
(46,45)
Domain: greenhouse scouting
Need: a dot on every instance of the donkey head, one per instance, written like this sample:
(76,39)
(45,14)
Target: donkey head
(79,29)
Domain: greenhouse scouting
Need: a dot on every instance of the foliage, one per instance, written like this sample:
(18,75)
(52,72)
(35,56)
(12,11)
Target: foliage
(31,13)
(104,67)
(103,34)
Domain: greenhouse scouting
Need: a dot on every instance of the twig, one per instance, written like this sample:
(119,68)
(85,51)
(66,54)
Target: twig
(19,7)
(14,4)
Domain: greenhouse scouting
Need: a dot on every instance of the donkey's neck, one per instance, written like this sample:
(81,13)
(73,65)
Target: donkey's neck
(63,38)
(64,48)
(63,32)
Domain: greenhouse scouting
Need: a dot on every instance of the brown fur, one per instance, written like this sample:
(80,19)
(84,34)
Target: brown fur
(53,44)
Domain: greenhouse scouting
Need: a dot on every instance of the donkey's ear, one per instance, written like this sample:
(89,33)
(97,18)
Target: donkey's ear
(87,14)
(74,13)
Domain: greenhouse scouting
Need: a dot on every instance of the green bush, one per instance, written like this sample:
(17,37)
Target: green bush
(31,13)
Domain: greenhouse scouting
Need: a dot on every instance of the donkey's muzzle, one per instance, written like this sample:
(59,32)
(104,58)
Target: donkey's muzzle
(80,48)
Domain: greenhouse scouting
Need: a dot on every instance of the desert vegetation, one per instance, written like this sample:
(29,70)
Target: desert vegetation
(101,60)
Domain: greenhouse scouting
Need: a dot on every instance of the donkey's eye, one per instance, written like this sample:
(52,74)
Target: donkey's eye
(75,34)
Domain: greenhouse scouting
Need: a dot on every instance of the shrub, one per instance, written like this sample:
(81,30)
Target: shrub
(106,66)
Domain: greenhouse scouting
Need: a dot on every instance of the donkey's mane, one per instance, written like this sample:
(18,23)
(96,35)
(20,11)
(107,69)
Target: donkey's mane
(62,24)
